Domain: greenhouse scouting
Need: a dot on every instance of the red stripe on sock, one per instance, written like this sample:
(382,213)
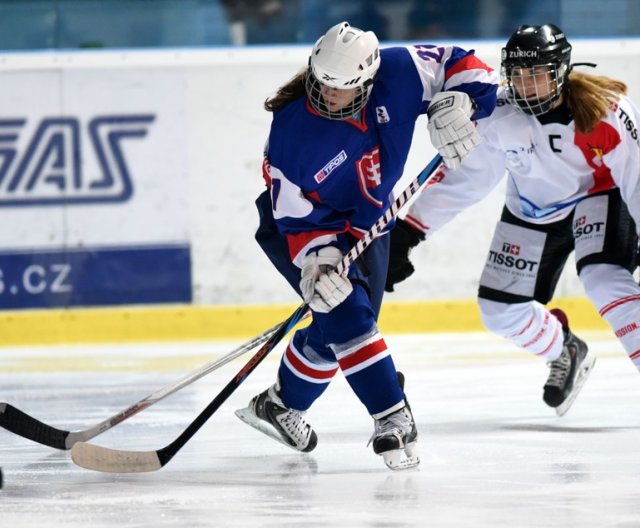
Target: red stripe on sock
(526,327)
(635,355)
(541,332)
(618,302)
(553,341)
(363,354)
(306,370)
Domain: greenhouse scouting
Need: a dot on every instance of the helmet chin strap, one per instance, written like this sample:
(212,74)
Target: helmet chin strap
(565,88)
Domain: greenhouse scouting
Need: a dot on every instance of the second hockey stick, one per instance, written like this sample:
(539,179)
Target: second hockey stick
(25,425)
(109,460)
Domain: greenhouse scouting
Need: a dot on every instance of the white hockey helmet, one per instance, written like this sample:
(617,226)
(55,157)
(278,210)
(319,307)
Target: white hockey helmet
(344,58)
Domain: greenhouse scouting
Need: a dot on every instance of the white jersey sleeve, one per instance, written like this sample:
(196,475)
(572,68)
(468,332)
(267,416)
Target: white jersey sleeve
(450,192)
(624,160)
(551,167)
(450,68)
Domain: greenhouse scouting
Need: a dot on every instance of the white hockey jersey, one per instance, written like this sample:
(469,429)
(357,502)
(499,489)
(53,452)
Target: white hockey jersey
(549,166)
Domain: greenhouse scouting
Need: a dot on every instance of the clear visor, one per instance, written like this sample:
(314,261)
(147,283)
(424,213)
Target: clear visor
(334,103)
(533,89)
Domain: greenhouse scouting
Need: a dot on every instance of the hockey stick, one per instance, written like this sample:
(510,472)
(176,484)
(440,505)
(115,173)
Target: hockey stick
(100,458)
(22,424)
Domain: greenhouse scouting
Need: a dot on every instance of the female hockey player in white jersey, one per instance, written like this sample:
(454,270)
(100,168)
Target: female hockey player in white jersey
(339,139)
(569,144)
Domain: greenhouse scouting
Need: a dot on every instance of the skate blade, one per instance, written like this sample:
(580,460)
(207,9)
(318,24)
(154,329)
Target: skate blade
(248,417)
(402,458)
(583,374)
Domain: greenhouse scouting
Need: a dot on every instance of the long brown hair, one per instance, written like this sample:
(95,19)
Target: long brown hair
(292,90)
(590,97)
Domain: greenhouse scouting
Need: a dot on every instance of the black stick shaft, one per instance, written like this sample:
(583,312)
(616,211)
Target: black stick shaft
(167,453)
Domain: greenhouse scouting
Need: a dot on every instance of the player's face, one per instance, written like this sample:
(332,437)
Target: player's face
(535,83)
(335,99)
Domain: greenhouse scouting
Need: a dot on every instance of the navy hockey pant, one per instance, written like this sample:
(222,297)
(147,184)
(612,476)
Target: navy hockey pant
(347,337)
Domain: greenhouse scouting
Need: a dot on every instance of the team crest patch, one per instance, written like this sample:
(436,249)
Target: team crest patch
(324,172)
(382,115)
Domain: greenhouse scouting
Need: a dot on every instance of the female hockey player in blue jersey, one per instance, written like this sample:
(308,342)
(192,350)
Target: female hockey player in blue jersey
(340,136)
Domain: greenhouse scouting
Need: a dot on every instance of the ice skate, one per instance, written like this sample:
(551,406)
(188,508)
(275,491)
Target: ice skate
(569,372)
(395,437)
(267,414)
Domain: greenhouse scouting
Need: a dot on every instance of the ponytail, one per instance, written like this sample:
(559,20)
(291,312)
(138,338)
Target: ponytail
(590,97)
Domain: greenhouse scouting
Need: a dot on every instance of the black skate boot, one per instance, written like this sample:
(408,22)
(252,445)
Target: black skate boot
(569,372)
(267,414)
(395,437)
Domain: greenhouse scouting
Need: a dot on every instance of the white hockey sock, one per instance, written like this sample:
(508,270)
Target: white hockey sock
(616,295)
(528,325)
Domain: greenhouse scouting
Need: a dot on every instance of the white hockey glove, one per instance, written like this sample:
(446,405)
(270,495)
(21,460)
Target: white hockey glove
(322,288)
(452,132)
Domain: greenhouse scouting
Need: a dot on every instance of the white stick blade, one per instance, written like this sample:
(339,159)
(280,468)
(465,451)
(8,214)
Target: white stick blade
(100,458)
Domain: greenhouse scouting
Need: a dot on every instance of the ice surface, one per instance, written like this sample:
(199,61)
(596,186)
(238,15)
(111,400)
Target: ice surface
(492,453)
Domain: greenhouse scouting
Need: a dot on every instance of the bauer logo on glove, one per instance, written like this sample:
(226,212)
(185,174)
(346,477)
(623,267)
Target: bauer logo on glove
(436,107)
(450,126)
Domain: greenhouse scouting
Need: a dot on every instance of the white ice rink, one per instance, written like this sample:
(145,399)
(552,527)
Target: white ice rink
(492,453)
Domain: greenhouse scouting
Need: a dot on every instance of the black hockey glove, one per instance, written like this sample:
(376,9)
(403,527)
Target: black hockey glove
(403,238)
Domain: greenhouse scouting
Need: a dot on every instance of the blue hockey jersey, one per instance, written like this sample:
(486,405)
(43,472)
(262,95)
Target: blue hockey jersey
(329,177)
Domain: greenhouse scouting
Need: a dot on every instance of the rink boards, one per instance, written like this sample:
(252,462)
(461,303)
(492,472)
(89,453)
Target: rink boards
(192,323)
(127,181)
